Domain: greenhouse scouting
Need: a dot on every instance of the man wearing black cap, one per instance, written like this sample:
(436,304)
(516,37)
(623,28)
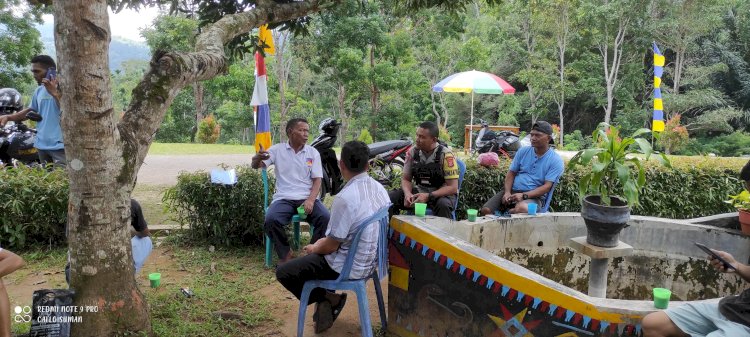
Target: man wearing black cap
(531,175)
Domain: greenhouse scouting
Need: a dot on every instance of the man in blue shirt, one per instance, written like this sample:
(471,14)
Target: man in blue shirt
(531,175)
(45,101)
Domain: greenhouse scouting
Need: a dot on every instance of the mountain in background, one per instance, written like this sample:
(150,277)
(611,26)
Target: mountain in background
(120,49)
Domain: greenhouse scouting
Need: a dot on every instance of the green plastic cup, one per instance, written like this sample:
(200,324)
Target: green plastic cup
(661,298)
(471,214)
(301,212)
(532,208)
(155,279)
(420,208)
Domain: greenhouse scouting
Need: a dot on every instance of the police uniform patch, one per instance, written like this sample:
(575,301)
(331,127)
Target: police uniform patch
(450,161)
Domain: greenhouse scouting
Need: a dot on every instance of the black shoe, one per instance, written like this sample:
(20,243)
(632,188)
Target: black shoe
(323,316)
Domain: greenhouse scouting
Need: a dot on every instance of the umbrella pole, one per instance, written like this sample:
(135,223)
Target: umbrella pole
(471,123)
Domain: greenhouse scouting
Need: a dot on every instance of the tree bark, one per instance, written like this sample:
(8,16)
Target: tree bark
(342,113)
(374,94)
(283,68)
(198,96)
(104,154)
(611,71)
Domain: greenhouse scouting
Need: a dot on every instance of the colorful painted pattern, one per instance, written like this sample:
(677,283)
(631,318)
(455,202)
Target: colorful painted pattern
(517,314)
(658,122)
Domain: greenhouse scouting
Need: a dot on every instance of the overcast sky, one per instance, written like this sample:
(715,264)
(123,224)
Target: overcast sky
(128,22)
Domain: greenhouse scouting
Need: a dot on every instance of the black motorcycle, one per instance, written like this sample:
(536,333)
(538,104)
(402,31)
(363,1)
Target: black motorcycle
(387,159)
(504,143)
(16,140)
(332,180)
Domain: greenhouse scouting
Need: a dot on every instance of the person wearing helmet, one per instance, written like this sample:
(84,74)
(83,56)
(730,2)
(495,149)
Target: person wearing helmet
(10,101)
(45,101)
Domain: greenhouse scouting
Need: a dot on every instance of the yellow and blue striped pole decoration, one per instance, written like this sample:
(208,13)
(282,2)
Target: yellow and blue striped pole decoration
(658,120)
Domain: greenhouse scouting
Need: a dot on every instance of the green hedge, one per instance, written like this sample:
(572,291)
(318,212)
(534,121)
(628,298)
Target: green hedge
(233,215)
(220,214)
(694,187)
(33,206)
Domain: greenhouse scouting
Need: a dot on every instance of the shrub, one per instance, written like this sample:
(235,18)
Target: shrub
(675,136)
(444,134)
(365,137)
(33,206)
(229,215)
(208,130)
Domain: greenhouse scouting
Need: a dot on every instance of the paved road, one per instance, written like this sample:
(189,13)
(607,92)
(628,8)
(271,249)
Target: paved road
(163,169)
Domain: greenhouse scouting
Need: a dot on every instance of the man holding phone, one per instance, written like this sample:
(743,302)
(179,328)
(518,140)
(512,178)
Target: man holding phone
(45,101)
(728,317)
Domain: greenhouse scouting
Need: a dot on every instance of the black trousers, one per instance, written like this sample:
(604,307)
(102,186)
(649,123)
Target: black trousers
(442,206)
(293,275)
(279,215)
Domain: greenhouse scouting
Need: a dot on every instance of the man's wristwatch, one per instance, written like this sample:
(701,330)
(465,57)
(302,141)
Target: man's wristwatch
(525,196)
(430,196)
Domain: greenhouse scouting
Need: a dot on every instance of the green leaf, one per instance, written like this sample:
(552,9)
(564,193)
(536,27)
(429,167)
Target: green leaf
(623,173)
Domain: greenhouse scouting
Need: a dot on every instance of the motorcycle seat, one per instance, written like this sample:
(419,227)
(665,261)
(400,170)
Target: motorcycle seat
(385,146)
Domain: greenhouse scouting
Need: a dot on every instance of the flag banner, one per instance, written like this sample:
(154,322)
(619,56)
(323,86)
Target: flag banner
(266,39)
(260,105)
(658,119)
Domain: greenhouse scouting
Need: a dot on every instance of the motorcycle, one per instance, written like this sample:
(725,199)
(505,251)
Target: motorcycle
(332,179)
(387,159)
(16,139)
(504,143)
(17,143)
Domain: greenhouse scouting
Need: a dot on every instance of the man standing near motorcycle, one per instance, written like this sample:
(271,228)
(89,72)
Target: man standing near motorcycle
(434,169)
(531,175)
(299,175)
(45,101)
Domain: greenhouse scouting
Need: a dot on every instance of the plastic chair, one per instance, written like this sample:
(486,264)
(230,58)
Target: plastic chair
(548,199)
(343,282)
(461,172)
(295,224)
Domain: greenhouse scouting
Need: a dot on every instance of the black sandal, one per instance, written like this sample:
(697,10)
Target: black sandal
(323,316)
(337,309)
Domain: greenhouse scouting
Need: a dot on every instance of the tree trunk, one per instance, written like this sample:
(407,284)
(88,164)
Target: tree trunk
(104,155)
(679,63)
(374,95)
(101,262)
(198,96)
(611,71)
(434,107)
(283,65)
(342,113)
(562,43)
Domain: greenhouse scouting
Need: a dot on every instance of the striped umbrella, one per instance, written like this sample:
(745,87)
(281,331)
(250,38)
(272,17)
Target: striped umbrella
(474,82)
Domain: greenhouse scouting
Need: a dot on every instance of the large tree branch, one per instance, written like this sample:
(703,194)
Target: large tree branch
(170,72)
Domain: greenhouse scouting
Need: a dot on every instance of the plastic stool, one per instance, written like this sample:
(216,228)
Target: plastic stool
(295,240)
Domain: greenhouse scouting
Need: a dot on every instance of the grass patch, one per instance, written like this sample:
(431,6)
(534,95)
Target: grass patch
(232,286)
(198,149)
(149,196)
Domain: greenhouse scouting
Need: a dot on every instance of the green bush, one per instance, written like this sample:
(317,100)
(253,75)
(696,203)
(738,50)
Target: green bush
(208,130)
(696,187)
(33,206)
(229,215)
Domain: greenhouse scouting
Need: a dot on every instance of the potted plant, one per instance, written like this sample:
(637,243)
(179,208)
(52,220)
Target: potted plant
(616,165)
(741,202)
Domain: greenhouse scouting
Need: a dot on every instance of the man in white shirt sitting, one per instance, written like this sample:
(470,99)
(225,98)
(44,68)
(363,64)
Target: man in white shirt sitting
(298,174)
(360,198)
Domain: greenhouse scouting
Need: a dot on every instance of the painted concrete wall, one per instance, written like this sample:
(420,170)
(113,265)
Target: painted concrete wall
(447,280)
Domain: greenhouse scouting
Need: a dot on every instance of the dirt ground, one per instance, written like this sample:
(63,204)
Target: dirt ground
(285,306)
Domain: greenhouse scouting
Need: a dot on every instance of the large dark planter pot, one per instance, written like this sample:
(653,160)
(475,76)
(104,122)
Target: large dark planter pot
(604,223)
